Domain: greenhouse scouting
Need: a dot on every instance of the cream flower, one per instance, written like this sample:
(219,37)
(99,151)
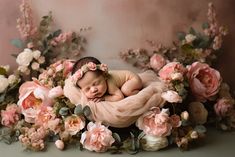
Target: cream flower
(190,38)
(3,83)
(36,54)
(153,143)
(171,96)
(25,57)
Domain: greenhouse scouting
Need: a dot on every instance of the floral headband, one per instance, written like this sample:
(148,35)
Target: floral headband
(88,67)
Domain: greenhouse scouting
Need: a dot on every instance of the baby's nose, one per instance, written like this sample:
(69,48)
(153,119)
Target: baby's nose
(94,89)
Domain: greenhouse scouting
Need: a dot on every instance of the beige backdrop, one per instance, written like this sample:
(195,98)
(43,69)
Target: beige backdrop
(121,24)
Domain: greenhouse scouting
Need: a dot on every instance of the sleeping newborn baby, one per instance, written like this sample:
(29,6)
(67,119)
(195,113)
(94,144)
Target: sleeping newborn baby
(94,80)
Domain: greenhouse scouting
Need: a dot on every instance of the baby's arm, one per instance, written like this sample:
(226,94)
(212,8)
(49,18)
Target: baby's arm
(114,93)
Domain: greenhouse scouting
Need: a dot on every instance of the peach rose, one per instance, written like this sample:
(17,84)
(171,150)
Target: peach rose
(157,62)
(45,114)
(197,113)
(171,68)
(32,97)
(224,106)
(204,81)
(155,123)
(97,138)
(73,124)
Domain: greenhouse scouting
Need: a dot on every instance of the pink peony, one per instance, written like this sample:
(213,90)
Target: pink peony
(32,97)
(224,106)
(155,123)
(45,114)
(157,62)
(204,81)
(73,124)
(56,92)
(170,69)
(10,116)
(97,137)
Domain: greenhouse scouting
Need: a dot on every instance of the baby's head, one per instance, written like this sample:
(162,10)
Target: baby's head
(90,76)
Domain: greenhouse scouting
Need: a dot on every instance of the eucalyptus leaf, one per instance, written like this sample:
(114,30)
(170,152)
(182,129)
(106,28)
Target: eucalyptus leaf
(17,43)
(2,96)
(64,111)
(200,129)
(78,110)
(181,35)
(87,111)
(205,25)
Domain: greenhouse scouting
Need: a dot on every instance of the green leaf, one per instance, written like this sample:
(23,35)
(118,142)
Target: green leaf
(3,71)
(2,96)
(64,111)
(17,43)
(181,35)
(87,111)
(57,33)
(187,48)
(192,31)
(78,110)
(205,25)
(116,137)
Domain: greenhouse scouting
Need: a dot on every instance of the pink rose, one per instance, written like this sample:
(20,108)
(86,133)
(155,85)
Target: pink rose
(157,62)
(68,66)
(10,116)
(171,96)
(170,69)
(91,66)
(56,92)
(155,123)
(73,124)
(32,97)
(204,81)
(97,138)
(224,106)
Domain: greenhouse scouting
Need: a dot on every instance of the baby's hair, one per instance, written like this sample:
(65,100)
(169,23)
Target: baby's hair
(82,61)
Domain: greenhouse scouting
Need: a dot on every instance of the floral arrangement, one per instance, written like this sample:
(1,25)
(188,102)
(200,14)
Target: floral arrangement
(34,110)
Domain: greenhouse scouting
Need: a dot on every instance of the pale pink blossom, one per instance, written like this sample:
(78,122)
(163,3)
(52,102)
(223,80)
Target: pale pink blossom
(3,83)
(56,92)
(184,115)
(41,60)
(204,81)
(97,138)
(36,54)
(173,67)
(35,66)
(12,79)
(171,96)
(73,124)
(59,144)
(197,113)
(155,122)
(32,97)
(54,125)
(224,106)
(157,61)
(10,116)
(190,38)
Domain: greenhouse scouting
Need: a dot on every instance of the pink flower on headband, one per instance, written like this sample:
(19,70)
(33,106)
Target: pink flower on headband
(88,67)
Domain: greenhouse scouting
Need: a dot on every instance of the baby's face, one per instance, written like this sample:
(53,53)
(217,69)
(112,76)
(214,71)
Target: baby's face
(93,86)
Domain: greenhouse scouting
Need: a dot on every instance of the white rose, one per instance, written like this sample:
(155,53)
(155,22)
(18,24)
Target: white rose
(190,38)
(171,96)
(153,143)
(35,66)
(25,57)
(3,83)
(36,54)
(12,79)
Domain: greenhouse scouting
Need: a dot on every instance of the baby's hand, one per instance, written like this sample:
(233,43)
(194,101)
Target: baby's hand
(97,99)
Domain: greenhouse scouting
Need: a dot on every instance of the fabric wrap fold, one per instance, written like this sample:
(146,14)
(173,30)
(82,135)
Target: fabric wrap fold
(125,112)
